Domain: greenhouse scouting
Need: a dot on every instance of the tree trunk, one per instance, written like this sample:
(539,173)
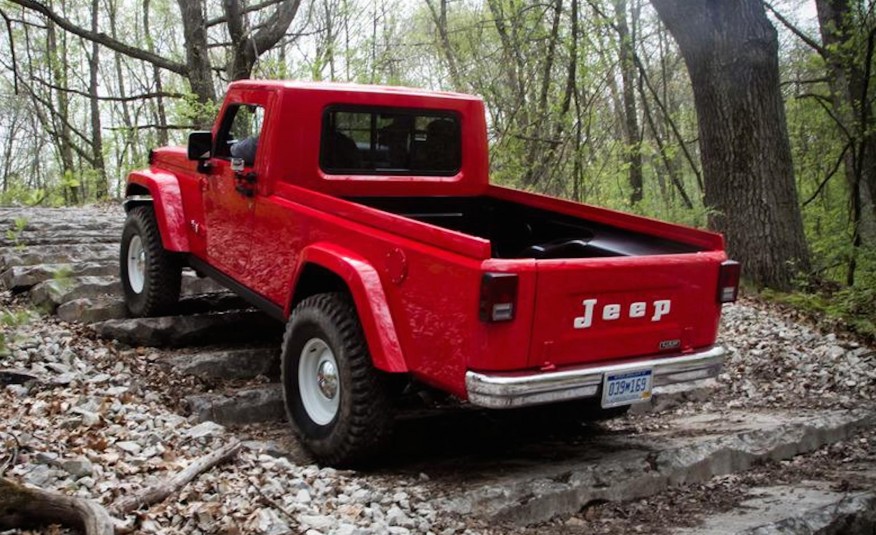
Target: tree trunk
(248,46)
(160,112)
(731,52)
(199,68)
(439,17)
(852,105)
(631,117)
(101,190)
(58,67)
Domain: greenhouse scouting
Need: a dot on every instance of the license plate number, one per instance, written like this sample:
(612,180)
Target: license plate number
(626,388)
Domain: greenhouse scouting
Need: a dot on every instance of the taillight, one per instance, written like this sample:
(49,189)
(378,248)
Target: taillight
(728,281)
(498,297)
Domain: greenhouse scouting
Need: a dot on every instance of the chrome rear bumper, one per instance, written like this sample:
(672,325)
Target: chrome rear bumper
(518,389)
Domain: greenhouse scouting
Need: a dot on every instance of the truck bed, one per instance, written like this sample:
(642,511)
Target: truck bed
(516,230)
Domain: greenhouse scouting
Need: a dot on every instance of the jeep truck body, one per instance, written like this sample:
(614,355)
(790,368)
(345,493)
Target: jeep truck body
(500,297)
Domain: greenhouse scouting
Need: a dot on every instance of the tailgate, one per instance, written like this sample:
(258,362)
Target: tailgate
(600,309)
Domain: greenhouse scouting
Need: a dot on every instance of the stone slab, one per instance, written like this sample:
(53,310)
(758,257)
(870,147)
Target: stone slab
(47,295)
(94,310)
(249,405)
(199,329)
(20,278)
(230,364)
(623,467)
(670,396)
(811,507)
(57,254)
(47,237)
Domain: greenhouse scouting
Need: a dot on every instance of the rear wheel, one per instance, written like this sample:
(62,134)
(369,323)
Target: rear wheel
(151,275)
(337,402)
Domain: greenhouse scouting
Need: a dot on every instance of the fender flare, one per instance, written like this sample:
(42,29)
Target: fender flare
(167,203)
(364,284)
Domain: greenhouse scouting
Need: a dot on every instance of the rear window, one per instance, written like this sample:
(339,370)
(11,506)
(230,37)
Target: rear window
(381,141)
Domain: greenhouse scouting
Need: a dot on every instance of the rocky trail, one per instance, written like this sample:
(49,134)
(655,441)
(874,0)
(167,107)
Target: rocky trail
(97,405)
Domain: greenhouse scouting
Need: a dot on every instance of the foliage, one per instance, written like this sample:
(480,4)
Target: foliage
(549,73)
(850,307)
(10,319)
(14,234)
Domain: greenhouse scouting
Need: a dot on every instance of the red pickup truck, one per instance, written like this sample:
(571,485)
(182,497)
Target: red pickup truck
(363,217)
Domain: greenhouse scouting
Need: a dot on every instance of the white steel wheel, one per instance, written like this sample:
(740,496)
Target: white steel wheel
(136,264)
(318,383)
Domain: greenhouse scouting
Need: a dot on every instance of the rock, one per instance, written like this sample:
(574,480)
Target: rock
(51,293)
(18,390)
(194,285)
(92,310)
(58,254)
(20,278)
(78,467)
(731,443)
(303,497)
(205,429)
(130,447)
(249,405)
(176,331)
(811,507)
(230,364)
(39,475)
(396,517)
(318,522)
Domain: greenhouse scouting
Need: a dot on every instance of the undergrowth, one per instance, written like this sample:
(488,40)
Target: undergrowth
(850,308)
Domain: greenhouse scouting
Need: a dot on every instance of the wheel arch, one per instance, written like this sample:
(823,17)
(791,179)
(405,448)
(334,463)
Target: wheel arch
(327,268)
(162,192)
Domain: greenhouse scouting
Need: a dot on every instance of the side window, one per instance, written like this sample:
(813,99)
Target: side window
(390,141)
(239,134)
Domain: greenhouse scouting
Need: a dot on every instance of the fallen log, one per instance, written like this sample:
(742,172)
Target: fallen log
(29,506)
(25,506)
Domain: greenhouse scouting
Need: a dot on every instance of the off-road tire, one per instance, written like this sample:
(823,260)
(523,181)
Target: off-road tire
(162,272)
(363,421)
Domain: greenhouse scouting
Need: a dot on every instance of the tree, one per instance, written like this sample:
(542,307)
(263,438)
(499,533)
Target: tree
(730,49)
(631,114)
(849,55)
(248,42)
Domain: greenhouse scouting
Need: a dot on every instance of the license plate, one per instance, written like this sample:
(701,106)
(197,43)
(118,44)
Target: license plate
(626,388)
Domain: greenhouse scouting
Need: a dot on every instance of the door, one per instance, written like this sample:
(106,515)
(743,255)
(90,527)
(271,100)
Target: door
(229,197)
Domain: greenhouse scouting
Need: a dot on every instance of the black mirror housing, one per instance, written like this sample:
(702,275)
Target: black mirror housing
(200,145)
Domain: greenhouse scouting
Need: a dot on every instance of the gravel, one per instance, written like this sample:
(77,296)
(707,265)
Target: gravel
(91,426)
(99,433)
(776,362)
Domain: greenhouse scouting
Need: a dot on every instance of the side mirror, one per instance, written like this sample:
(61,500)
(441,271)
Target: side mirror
(200,145)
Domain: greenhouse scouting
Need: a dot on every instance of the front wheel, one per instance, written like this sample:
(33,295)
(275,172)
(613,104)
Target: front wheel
(337,402)
(151,275)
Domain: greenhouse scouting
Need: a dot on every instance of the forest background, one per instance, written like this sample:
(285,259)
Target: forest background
(749,117)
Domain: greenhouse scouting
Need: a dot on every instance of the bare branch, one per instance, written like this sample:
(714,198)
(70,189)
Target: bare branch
(248,9)
(796,31)
(161,491)
(103,38)
(142,96)
(830,175)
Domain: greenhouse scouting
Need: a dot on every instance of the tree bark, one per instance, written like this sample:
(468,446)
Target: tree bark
(247,47)
(200,70)
(631,116)
(21,506)
(852,104)
(731,52)
(58,67)
(102,188)
(439,17)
